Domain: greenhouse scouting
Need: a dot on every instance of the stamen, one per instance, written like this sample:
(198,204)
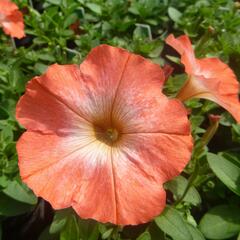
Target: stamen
(112,134)
(107,135)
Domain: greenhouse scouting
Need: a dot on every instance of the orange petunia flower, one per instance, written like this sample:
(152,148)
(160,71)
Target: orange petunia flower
(11,19)
(102,137)
(209,78)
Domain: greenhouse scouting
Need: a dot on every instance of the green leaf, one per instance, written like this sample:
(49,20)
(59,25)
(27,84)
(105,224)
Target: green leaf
(107,234)
(17,79)
(6,135)
(238,238)
(227,171)
(236,133)
(173,59)
(20,192)
(9,207)
(55,2)
(70,19)
(156,232)
(45,235)
(10,149)
(89,229)
(221,222)
(95,8)
(196,121)
(59,221)
(3,181)
(144,236)
(46,57)
(193,103)
(71,230)
(67,33)
(226,119)
(94,235)
(196,234)
(233,157)
(142,31)
(174,14)
(75,227)
(178,185)
(174,83)
(3,114)
(40,68)
(172,223)
(102,228)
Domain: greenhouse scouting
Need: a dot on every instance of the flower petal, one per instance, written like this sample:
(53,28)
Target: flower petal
(57,168)
(163,156)
(220,81)
(11,19)
(139,170)
(183,46)
(149,111)
(7,7)
(13,24)
(138,199)
(210,78)
(107,67)
(152,159)
(42,110)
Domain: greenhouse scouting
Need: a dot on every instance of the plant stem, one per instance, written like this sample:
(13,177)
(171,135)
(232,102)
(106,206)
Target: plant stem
(31,3)
(74,52)
(190,182)
(208,135)
(13,43)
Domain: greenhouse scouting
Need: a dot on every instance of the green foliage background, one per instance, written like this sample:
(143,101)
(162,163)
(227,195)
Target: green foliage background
(210,209)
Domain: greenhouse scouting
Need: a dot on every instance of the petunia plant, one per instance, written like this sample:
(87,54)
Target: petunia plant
(114,124)
(103,138)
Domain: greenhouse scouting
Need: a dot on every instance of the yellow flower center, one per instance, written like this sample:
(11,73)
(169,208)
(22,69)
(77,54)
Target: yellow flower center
(108,136)
(108,133)
(111,134)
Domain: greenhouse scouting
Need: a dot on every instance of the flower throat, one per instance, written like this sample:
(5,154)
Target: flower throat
(108,132)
